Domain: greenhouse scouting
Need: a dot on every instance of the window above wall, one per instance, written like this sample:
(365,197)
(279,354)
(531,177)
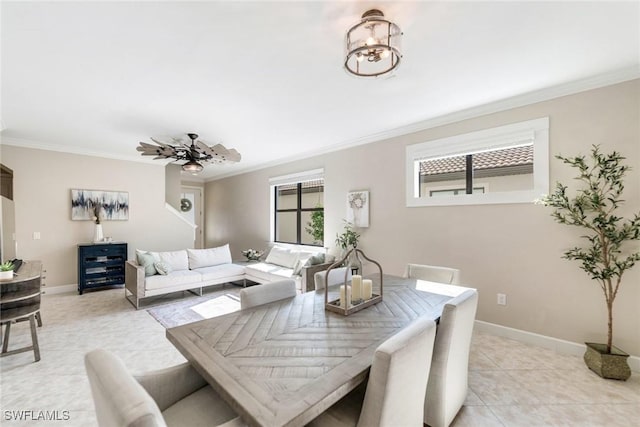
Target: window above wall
(297,214)
(507,164)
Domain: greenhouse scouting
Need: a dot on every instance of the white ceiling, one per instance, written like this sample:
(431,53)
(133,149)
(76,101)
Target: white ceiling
(266,77)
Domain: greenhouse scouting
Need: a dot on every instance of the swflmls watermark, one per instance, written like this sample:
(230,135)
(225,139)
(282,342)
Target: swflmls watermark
(31,415)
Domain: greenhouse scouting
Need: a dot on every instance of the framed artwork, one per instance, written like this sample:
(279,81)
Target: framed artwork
(358,208)
(113,205)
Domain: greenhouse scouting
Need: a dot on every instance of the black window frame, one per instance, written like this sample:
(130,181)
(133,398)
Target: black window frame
(298,210)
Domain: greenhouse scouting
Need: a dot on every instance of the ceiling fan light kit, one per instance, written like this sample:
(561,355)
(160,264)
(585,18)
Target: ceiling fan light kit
(373,46)
(195,153)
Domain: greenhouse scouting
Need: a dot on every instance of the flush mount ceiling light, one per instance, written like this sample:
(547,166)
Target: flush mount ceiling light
(195,152)
(373,46)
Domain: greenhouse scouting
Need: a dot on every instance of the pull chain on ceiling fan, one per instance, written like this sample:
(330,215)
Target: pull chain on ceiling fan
(194,152)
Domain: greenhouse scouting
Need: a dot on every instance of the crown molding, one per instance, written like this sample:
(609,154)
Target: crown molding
(546,94)
(39,145)
(552,92)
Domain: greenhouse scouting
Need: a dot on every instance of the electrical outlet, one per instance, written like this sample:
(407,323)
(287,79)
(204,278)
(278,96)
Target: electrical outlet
(36,235)
(502,299)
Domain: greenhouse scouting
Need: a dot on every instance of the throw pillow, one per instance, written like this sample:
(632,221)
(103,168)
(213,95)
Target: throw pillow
(317,259)
(297,269)
(146,260)
(155,255)
(282,257)
(163,268)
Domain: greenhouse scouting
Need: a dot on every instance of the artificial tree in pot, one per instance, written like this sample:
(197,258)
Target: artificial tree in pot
(605,255)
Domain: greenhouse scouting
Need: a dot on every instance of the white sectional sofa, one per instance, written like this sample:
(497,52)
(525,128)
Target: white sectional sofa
(289,263)
(158,273)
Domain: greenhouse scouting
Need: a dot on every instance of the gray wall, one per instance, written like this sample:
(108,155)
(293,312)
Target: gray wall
(512,248)
(42,183)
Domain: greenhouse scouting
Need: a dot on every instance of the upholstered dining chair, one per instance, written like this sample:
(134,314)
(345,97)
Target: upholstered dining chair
(432,273)
(176,396)
(336,277)
(266,293)
(447,387)
(397,383)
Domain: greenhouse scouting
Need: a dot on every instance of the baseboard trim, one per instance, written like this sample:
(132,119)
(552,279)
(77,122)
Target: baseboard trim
(558,345)
(62,289)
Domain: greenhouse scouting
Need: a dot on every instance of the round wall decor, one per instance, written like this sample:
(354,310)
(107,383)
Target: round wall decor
(185,205)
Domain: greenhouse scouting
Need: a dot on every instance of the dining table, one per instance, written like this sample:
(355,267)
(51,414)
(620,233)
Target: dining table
(286,362)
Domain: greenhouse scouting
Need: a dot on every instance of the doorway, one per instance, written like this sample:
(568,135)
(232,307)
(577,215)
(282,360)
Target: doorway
(191,204)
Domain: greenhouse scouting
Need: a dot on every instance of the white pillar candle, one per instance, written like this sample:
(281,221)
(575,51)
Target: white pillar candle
(344,298)
(367,289)
(356,287)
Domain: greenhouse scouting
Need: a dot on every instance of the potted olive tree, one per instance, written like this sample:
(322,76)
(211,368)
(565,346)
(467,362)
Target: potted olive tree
(605,254)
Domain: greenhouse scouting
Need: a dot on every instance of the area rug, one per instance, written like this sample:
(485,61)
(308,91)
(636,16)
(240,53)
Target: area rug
(191,310)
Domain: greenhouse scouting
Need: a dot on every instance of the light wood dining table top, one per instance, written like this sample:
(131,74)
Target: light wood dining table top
(284,363)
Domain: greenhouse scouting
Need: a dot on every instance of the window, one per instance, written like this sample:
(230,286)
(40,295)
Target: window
(508,164)
(298,209)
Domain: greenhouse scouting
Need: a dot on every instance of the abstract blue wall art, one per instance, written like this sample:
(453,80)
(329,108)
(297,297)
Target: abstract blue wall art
(112,205)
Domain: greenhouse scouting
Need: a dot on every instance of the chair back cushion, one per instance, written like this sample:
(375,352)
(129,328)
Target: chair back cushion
(398,378)
(447,388)
(336,277)
(432,273)
(269,292)
(119,399)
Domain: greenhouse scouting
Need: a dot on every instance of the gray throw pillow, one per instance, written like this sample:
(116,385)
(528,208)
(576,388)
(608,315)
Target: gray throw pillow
(163,268)
(297,268)
(316,259)
(146,260)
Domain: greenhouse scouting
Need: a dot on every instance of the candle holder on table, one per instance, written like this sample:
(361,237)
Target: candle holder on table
(360,294)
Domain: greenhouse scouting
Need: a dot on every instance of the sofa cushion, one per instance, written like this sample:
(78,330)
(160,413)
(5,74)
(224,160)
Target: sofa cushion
(175,278)
(220,271)
(268,272)
(178,260)
(209,257)
(146,261)
(282,256)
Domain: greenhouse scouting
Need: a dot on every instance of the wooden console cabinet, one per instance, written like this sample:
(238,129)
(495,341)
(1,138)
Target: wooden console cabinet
(101,264)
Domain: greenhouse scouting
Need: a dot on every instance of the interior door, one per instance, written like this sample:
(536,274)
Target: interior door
(191,208)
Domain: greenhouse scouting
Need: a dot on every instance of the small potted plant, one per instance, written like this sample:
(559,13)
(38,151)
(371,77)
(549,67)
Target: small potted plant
(347,241)
(349,237)
(604,257)
(252,254)
(6,270)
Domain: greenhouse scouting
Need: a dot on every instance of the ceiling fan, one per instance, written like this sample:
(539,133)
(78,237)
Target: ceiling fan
(195,152)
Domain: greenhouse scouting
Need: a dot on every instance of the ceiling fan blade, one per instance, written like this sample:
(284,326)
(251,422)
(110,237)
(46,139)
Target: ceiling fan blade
(145,145)
(157,141)
(202,146)
(234,156)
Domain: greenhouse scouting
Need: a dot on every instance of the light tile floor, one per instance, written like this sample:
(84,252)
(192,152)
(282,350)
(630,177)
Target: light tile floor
(511,384)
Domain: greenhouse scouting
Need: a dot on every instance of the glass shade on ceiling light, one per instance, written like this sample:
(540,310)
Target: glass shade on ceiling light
(192,167)
(373,46)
